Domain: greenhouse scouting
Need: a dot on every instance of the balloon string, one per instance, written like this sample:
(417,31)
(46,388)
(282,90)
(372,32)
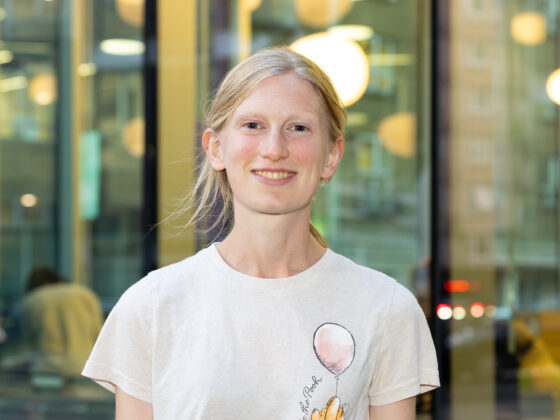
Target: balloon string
(336,391)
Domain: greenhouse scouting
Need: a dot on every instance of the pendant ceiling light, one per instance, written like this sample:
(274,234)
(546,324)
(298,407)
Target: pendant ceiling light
(398,134)
(553,86)
(252,5)
(131,11)
(43,89)
(342,59)
(528,28)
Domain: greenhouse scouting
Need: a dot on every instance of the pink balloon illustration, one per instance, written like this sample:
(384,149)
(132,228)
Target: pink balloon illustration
(334,347)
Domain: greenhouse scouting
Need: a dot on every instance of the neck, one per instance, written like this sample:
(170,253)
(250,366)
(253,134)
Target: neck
(270,246)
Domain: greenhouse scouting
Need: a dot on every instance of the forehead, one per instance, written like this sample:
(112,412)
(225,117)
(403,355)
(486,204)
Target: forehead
(288,92)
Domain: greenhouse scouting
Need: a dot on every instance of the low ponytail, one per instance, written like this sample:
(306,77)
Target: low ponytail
(317,236)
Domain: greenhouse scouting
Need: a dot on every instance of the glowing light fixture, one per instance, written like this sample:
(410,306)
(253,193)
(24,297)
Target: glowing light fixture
(6,56)
(528,28)
(2,13)
(343,60)
(131,11)
(398,134)
(133,136)
(252,5)
(354,32)
(43,89)
(87,69)
(122,47)
(444,311)
(459,312)
(477,309)
(553,86)
(321,13)
(28,200)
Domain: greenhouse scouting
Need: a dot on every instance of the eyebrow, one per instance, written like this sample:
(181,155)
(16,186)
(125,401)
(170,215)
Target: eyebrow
(308,117)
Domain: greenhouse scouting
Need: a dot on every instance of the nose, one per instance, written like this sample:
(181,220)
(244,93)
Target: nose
(274,146)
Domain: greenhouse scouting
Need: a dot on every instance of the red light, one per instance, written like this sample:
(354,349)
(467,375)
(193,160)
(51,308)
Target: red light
(456,286)
(444,311)
(477,309)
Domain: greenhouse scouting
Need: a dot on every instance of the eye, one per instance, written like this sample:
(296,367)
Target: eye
(251,125)
(300,127)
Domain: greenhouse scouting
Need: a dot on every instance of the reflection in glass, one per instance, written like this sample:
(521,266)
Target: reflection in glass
(70,193)
(341,58)
(504,212)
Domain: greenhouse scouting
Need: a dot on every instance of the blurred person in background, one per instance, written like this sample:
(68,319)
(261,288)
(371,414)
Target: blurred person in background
(60,322)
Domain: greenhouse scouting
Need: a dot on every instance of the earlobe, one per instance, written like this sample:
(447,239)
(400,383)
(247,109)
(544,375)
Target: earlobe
(211,145)
(333,158)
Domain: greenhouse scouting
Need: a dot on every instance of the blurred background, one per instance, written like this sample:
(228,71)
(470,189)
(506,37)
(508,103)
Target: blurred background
(449,183)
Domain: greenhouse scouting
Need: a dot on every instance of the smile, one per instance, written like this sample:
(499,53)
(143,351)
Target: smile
(274,174)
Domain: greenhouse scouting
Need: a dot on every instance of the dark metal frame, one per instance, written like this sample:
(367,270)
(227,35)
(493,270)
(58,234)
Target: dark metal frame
(440,196)
(150,178)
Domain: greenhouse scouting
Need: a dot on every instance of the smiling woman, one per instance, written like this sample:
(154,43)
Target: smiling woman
(203,338)
(228,110)
(274,148)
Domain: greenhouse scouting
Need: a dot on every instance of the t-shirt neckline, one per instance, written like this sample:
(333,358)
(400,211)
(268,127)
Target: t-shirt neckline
(301,280)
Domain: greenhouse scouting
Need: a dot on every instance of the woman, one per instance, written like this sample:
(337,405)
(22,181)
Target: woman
(268,323)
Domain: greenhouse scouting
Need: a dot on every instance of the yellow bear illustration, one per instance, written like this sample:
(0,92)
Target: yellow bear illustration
(333,411)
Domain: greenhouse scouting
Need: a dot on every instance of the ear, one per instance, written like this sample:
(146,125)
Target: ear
(333,158)
(211,145)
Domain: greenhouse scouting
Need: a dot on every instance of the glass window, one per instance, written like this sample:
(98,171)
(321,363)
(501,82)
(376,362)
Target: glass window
(503,231)
(71,149)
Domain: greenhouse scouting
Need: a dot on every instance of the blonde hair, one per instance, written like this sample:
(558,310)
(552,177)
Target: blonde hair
(212,186)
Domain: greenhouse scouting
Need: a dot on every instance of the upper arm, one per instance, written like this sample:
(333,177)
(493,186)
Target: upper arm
(130,408)
(400,410)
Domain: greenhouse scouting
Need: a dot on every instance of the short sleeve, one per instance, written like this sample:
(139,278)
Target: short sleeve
(406,364)
(122,355)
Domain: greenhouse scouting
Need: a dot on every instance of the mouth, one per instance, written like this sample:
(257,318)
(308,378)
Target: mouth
(273,174)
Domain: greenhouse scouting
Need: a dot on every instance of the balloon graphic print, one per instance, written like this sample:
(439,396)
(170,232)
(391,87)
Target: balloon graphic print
(334,347)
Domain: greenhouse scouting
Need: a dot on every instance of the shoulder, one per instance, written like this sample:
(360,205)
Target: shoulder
(372,287)
(169,282)
(180,270)
(365,278)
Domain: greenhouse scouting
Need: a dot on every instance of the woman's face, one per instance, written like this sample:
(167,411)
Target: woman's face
(275,147)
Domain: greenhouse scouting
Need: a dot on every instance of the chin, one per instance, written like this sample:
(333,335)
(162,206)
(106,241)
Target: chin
(282,208)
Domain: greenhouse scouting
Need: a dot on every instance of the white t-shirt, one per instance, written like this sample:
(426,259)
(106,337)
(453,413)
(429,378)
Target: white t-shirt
(199,340)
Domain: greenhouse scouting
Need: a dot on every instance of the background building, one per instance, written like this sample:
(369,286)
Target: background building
(449,183)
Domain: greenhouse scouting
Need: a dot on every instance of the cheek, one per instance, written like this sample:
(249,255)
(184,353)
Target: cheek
(310,154)
(236,150)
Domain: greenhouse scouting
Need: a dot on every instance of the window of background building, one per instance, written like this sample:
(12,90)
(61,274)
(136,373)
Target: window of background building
(71,148)
(505,361)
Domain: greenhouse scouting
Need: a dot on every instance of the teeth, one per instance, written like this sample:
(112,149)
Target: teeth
(274,175)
